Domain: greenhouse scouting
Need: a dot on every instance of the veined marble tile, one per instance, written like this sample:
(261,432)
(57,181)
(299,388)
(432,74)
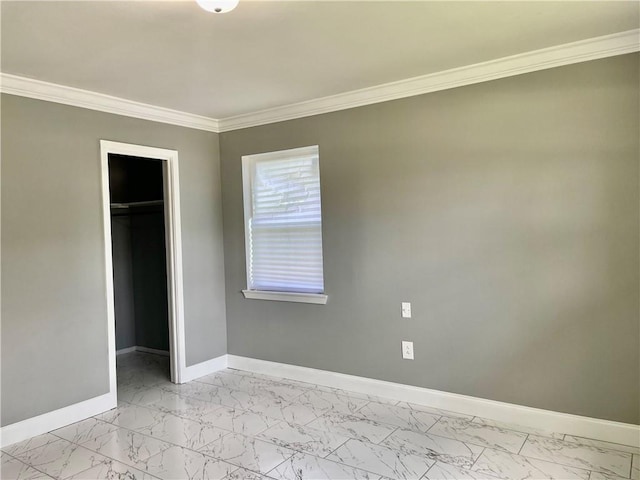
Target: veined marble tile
(29,444)
(280,390)
(13,469)
(321,401)
(604,476)
(265,378)
(445,471)
(141,395)
(247,452)
(358,395)
(435,411)
(188,389)
(398,416)
(469,432)
(181,463)
(353,427)
(187,407)
(229,398)
(601,444)
(136,376)
(61,458)
(227,379)
(307,467)
(443,449)
(238,421)
(84,430)
(518,428)
(132,416)
(110,469)
(144,360)
(281,410)
(236,371)
(515,467)
(303,439)
(127,447)
(635,468)
(253,384)
(580,456)
(244,474)
(313,386)
(381,460)
(183,432)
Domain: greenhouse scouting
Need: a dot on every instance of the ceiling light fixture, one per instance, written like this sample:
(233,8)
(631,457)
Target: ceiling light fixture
(218,6)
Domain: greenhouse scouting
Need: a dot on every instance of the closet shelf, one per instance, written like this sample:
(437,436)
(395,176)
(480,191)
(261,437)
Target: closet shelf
(149,203)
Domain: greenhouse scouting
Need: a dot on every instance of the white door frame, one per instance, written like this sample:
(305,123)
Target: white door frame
(173,234)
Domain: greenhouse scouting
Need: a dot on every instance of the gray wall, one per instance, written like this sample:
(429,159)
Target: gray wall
(506,212)
(53,274)
(123,282)
(140,280)
(150,280)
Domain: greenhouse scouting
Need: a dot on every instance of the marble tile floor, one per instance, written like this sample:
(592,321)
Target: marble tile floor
(240,425)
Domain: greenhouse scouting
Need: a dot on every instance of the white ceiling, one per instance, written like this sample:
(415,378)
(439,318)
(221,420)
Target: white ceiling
(266,54)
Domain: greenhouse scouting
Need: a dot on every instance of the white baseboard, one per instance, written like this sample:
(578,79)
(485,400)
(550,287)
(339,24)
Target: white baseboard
(19,431)
(122,351)
(624,433)
(205,368)
(155,351)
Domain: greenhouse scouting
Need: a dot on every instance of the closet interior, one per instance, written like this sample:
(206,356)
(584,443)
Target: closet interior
(139,254)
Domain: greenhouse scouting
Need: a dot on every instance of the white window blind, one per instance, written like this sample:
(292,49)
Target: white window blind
(283,221)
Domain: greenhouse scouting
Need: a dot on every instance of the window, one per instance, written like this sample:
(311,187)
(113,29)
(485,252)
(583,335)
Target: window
(283,226)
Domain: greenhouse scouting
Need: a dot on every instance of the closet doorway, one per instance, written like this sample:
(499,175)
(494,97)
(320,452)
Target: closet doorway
(142,254)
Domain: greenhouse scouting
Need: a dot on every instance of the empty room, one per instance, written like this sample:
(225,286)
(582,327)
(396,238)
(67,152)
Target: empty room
(315,240)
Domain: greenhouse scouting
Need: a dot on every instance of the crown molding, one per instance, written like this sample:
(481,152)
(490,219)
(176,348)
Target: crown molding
(51,92)
(557,56)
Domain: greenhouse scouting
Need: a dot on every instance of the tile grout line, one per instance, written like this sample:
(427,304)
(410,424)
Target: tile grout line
(424,475)
(12,457)
(523,444)
(335,449)
(77,445)
(392,432)
(478,458)
(36,469)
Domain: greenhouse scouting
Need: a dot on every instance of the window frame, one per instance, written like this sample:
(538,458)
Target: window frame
(248,163)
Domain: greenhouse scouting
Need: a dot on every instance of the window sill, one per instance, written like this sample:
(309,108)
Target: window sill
(317,298)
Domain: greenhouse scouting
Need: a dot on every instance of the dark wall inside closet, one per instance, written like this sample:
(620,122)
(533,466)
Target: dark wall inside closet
(139,252)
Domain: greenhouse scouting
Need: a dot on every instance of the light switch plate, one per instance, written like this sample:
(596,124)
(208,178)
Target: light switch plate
(407,350)
(406,310)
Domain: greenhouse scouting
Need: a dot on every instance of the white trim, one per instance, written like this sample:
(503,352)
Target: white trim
(566,54)
(174,252)
(76,97)
(19,431)
(124,351)
(136,348)
(248,171)
(205,368)
(154,351)
(623,433)
(316,298)
(557,56)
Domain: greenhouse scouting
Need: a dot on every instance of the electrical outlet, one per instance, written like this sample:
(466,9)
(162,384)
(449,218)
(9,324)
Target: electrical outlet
(406,310)
(407,350)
